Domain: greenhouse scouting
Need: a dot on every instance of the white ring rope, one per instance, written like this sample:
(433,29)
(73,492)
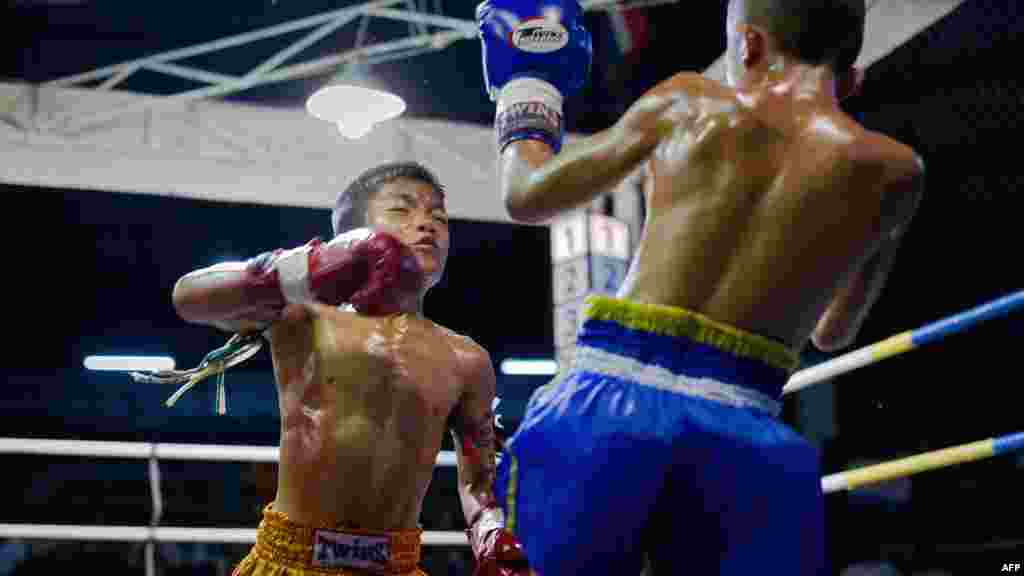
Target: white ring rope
(154,452)
(159,451)
(174,534)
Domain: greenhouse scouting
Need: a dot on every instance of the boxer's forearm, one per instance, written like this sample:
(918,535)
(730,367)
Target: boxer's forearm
(843,318)
(537,184)
(223,296)
(475,458)
(850,307)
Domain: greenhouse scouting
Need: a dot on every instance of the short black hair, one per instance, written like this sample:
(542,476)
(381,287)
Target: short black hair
(815,31)
(350,207)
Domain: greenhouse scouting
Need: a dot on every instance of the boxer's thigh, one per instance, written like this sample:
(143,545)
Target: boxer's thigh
(785,520)
(582,477)
(744,495)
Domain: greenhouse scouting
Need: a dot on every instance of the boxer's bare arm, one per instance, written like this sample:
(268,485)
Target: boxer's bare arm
(220,296)
(842,320)
(473,434)
(537,184)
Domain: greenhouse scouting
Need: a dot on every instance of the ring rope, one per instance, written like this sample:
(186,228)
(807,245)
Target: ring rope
(175,534)
(903,342)
(157,450)
(153,452)
(925,461)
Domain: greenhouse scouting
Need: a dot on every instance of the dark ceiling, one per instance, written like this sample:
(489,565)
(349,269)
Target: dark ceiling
(91,272)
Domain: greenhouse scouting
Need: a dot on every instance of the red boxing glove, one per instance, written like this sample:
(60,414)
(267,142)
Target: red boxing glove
(497,551)
(368,269)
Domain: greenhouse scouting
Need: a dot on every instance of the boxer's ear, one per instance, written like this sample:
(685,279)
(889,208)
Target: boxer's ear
(849,83)
(752,48)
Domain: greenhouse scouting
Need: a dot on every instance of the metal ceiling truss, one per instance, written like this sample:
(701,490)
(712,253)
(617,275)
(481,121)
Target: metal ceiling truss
(419,40)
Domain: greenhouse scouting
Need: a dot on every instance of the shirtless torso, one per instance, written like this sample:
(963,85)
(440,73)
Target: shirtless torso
(365,399)
(761,204)
(364,402)
(768,209)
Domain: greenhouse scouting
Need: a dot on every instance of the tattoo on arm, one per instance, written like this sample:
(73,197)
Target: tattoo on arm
(476,438)
(476,443)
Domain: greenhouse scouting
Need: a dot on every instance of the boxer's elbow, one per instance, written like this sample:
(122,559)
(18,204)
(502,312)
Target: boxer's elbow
(520,207)
(186,300)
(831,339)
(522,184)
(836,329)
(195,302)
(522,193)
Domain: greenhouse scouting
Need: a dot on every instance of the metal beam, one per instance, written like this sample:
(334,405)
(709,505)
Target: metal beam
(467,27)
(189,73)
(307,41)
(70,123)
(221,44)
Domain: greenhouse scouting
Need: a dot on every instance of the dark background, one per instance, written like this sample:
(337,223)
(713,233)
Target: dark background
(91,273)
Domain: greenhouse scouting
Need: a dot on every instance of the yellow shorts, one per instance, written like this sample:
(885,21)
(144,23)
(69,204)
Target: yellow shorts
(285,548)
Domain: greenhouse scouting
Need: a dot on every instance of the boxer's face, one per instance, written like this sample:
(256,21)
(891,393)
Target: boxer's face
(414,212)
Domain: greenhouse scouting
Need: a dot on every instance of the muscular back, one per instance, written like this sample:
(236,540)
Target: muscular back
(759,206)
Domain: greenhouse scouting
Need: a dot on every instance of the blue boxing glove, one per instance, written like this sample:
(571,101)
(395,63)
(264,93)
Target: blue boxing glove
(535,54)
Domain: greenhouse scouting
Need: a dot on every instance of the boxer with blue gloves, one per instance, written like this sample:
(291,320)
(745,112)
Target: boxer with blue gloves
(772,221)
(541,55)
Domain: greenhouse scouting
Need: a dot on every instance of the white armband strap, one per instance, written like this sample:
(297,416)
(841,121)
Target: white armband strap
(529,108)
(293,275)
(348,238)
(487,521)
(522,90)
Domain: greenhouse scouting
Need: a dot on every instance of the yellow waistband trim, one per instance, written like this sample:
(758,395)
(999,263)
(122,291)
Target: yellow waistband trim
(682,323)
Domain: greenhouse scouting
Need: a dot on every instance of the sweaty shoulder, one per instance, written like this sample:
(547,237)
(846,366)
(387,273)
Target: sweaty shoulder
(902,171)
(473,358)
(691,84)
(899,160)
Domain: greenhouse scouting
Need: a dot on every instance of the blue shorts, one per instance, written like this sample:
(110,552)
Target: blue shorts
(662,440)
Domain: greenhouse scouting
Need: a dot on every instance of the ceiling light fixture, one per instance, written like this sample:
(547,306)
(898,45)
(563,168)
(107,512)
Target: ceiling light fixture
(355,110)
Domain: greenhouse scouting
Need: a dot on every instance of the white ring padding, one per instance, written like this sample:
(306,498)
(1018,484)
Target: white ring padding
(174,534)
(833,483)
(161,451)
(352,236)
(820,372)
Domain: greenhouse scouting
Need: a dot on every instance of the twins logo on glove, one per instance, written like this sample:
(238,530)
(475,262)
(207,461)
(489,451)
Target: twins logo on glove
(542,39)
(538,36)
(535,54)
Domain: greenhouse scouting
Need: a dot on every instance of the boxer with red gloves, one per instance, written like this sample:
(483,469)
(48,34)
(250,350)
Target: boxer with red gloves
(361,267)
(366,391)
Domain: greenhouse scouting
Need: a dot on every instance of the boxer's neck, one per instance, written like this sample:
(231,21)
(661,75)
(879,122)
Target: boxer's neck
(412,303)
(803,81)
